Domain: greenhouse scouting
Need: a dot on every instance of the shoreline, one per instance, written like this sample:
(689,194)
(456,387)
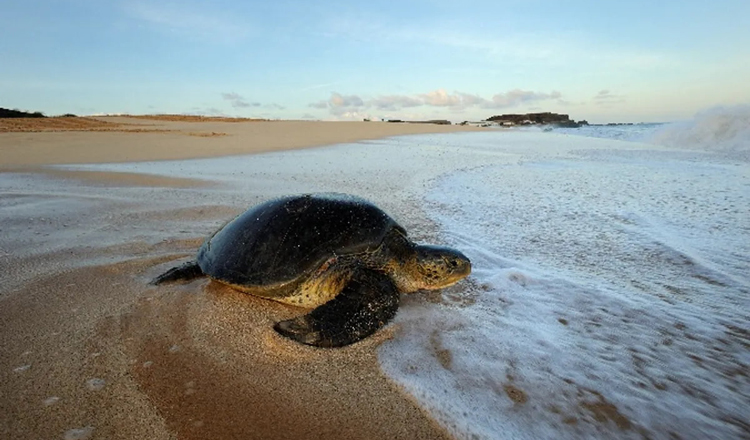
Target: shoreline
(92,351)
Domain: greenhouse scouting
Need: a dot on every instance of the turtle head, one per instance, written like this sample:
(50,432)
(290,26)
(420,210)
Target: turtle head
(436,267)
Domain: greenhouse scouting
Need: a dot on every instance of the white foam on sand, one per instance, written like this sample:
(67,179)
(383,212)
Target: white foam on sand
(609,297)
(79,433)
(51,400)
(613,299)
(95,384)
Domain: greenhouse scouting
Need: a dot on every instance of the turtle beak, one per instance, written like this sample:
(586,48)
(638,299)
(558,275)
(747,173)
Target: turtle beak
(457,266)
(442,266)
(460,266)
(466,268)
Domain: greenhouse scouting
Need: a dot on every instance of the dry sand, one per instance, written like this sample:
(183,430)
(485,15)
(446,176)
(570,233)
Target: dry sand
(129,139)
(89,350)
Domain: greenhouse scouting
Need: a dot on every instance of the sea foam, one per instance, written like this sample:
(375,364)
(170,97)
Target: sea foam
(609,298)
(721,129)
(724,129)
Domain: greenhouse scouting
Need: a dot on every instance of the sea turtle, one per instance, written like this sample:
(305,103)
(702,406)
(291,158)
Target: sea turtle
(336,253)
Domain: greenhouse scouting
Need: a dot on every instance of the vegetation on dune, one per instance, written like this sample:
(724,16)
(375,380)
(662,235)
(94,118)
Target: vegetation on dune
(15,113)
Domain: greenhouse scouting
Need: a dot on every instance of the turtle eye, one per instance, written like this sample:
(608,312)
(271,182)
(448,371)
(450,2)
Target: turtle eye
(450,262)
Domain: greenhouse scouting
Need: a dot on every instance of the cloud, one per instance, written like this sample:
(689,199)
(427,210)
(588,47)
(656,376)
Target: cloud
(440,98)
(469,100)
(238,101)
(318,86)
(502,45)
(395,102)
(188,21)
(319,104)
(606,98)
(346,106)
(456,101)
(517,97)
(338,100)
(460,100)
(353,105)
(438,33)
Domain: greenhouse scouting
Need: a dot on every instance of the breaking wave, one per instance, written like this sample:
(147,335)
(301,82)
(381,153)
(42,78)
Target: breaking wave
(721,129)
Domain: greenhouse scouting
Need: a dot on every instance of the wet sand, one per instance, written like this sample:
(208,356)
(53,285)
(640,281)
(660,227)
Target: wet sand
(95,348)
(89,350)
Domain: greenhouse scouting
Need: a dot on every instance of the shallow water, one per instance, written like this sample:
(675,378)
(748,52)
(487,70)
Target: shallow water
(614,298)
(609,296)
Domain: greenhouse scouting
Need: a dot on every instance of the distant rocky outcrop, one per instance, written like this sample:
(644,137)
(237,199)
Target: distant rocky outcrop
(431,121)
(436,121)
(545,118)
(15,113)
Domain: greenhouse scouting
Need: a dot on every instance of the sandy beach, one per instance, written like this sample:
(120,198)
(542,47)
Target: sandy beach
(101,139)
(608,296)
(89,350)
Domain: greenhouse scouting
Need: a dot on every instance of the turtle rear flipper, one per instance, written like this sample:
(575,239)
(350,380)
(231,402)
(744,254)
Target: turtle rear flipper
(366,304)
(186,271)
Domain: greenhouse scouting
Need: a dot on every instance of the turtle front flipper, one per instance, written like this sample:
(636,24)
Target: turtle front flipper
(366,303)
(186,271)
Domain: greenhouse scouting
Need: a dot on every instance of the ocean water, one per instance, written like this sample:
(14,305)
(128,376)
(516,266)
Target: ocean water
(719,129)
(612,293)
(631,133)
(610,296)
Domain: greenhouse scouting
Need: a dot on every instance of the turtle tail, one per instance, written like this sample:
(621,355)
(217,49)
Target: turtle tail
(186,271)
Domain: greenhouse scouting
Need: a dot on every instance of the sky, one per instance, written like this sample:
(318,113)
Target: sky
(603,61)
